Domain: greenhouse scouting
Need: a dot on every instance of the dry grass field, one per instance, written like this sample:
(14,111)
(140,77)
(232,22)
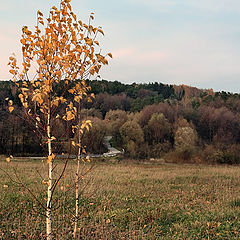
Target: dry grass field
(124,201)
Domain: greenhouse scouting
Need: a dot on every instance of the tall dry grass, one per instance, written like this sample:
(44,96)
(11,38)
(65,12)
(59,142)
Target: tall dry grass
(126,201)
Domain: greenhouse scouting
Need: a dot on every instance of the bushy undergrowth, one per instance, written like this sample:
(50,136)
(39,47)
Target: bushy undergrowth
(209,154)
(222,154)
(183,155)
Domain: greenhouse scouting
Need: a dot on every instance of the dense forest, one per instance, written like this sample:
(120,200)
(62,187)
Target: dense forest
(154,120)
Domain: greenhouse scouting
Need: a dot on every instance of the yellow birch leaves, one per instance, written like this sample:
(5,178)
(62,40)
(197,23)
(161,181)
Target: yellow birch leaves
(63,52)
(8,159)
(10,106)
(50,158)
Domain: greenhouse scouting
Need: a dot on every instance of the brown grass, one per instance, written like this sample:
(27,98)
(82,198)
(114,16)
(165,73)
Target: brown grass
(126,201)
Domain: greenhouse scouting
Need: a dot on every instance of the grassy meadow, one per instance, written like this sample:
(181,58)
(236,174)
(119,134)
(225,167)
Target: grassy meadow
(123,201)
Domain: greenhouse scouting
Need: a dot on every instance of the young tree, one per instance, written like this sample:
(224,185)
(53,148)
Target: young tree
(159,128)
(133,137)
(56,53)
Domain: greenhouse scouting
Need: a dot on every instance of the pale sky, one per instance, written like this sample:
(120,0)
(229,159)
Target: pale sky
(193,42)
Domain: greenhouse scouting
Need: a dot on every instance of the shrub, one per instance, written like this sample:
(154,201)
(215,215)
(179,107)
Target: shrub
(159,149)
(133,138)
(222,154)
(183,155)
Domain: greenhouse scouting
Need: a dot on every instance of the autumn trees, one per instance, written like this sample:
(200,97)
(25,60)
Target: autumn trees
(58,51)
(214,121)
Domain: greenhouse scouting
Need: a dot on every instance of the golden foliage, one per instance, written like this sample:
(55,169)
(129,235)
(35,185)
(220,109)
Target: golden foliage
(63,48)
(60,49)
(50,158)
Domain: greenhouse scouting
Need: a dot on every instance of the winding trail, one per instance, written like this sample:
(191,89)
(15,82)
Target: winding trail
(111,150)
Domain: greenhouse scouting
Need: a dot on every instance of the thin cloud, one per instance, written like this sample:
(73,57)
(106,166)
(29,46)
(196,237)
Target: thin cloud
(162,4)
(217,5)
(213,6)
(122,53)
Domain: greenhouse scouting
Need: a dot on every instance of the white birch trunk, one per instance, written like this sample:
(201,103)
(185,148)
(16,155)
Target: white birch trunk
(49,191)
(76,194)
(77,175)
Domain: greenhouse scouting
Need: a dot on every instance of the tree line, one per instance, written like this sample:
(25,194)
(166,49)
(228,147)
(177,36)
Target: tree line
(154,120)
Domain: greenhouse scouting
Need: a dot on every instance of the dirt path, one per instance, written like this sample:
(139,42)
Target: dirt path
(111,150)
